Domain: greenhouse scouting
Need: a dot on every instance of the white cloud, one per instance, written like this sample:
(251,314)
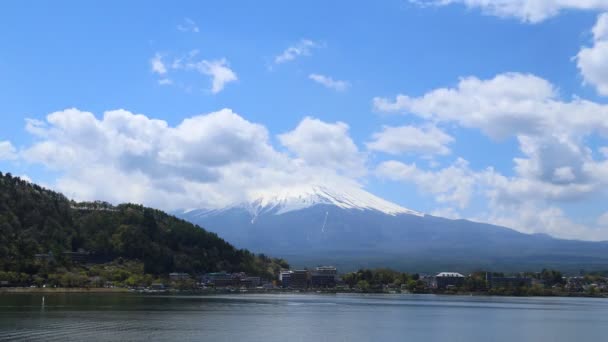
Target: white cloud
(188,25)
(507,105)
(160,162)
(427,140)
(515,202)
(207,160)
(325,144)
(329,82)
(219,70)
(600,30)
(302,48)
(530,218)
(592,61)
(454,184)
(532,11)
(602,221)
(7,151)
(555,165)
(157,64)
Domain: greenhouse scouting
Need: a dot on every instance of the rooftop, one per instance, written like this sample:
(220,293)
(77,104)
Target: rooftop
(450,274)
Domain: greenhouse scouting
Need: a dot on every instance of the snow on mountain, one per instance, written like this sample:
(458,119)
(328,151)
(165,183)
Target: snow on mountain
(283,200)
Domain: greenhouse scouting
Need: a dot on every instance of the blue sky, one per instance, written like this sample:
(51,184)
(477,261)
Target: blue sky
(98,57)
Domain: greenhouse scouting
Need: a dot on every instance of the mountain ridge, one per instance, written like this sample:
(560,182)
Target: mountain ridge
(299,197)
(36,221)
(353,236)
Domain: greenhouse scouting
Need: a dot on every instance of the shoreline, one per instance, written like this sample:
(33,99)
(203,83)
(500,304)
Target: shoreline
(50,290)
(93,290)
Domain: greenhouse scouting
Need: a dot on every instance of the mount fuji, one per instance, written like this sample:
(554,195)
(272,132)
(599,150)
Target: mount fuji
(351,228)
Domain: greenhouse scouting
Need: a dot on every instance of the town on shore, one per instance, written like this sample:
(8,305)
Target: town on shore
(110,278)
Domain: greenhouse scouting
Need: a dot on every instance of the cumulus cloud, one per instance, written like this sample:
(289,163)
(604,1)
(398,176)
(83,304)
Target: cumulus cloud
(7,151)
(301,48)
(507,105)
(530,218)
(515,202)
(555,164)
(329,82)
(452,185)
(427,140)
(532,11)
(188,25)
(320,143)
(207,160)
(592,61)
(551,132)
(158,162)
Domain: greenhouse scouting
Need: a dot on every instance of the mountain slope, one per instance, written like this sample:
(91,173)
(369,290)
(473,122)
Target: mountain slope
(35,220)
(353,233)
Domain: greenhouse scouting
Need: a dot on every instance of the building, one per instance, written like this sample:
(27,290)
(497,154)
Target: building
(324,277)
(220,279)
(285,278)
(250,281)
(179,276)
(300,279)
(507,282)
(446,280)
(575,284)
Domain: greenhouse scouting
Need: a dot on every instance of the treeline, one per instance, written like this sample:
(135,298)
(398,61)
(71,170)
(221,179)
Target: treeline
(377,279)
(34,220)
(544,283)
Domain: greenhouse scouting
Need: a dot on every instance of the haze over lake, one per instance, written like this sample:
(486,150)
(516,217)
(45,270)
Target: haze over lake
(300,317)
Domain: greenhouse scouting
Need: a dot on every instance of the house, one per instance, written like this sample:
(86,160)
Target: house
(250,281)
(285,278)
(324,277)
(575,284)
(220,279)
(445,280)
(300,279)
(507,282)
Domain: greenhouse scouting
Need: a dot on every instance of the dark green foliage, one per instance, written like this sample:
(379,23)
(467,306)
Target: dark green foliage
(35,220)
(376,279)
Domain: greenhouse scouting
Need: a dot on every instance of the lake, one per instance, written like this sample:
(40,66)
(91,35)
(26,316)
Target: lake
(300,317)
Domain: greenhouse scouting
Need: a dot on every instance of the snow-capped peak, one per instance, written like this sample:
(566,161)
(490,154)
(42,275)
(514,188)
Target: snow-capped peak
(284,200)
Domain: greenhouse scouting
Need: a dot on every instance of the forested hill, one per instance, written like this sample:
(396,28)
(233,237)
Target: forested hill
(34,220)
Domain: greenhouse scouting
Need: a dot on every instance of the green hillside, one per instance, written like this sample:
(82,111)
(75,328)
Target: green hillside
(34,220)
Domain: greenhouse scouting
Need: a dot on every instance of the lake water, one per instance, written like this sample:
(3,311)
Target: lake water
(300,317)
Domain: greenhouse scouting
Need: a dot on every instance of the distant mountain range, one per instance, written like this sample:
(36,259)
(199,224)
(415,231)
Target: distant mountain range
(312,225)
